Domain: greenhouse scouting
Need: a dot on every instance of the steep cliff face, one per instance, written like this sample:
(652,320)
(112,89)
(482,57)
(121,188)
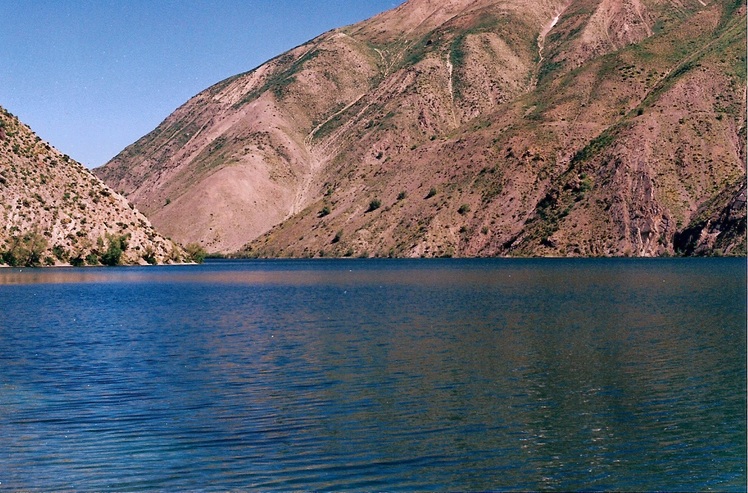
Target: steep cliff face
(514,127)
(53,211)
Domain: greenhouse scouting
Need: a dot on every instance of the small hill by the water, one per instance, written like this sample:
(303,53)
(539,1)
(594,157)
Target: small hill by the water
(53,211)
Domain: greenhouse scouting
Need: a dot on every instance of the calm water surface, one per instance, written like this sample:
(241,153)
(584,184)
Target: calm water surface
(375,375)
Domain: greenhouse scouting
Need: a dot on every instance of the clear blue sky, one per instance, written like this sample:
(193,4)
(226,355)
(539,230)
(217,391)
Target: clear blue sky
(93,76)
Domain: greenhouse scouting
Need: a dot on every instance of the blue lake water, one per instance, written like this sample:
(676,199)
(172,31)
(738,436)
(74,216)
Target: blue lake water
(376,375)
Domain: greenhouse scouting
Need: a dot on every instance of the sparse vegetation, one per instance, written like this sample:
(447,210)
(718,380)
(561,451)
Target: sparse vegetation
(374,205)
(40,186)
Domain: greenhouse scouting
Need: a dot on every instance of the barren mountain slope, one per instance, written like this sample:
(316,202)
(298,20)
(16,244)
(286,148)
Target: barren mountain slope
(516,127)
(633,153)
(247,153)
(54,211)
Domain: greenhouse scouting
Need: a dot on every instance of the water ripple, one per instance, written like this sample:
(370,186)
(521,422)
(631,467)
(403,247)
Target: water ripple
(380,376)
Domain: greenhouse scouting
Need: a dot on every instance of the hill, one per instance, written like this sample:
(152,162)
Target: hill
(468,128)
(53,211)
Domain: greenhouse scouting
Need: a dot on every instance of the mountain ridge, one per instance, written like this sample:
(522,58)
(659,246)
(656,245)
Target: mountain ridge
(290,158)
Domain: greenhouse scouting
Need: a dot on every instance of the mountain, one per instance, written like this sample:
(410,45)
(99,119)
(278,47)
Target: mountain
(53,211)
(468,128)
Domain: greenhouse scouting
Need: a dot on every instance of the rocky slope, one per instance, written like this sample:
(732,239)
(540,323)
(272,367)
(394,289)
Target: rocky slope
(53,211)
(468,127)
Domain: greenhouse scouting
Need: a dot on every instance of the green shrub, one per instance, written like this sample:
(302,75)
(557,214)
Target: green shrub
(60,253)
(196,253)
(77,261)
(374,205)
(586,184)
(113,254)
(432,193)
(25,251)
(150,255)
(8,258)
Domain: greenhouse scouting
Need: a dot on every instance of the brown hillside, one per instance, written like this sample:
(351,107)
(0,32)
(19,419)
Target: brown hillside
(515,127)
(53,211)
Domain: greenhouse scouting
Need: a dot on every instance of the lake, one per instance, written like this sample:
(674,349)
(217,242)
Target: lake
(376,375)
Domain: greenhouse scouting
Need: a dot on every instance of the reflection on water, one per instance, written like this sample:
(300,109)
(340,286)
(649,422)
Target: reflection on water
(376,375)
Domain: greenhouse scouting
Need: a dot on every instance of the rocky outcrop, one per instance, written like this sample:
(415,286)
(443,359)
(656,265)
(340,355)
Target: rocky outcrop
(718,229)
